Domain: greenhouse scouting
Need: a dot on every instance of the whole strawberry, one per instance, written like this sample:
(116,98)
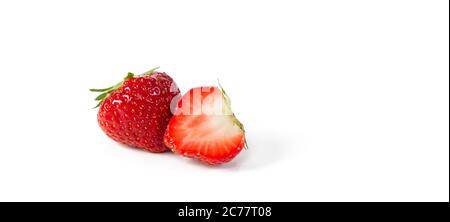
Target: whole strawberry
(136,111)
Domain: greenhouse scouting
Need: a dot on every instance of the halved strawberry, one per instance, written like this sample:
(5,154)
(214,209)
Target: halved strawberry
(204,127)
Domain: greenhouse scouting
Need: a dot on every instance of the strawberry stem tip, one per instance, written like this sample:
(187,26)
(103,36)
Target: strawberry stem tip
(100,90)
(149,72)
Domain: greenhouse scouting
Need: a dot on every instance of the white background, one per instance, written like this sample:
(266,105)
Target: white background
(342,100)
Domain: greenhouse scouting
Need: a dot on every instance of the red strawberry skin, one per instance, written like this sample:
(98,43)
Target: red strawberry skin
(202,129)
(137,113)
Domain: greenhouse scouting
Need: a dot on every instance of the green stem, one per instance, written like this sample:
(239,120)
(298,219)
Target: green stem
(100,90)
(149,72)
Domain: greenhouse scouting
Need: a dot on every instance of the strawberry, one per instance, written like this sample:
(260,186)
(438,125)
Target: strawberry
(204,127)
(136,111)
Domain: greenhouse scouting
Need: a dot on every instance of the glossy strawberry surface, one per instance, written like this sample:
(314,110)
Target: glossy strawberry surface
(138,111)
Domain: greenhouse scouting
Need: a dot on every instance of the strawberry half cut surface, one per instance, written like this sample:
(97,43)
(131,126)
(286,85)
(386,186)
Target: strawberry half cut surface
(205,128)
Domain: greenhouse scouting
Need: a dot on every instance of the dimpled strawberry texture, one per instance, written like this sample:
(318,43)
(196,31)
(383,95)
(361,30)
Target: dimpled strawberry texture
(138,112)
